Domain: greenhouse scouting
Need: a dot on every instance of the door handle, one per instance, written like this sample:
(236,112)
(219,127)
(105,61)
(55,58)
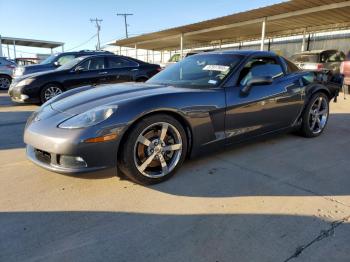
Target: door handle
(103,73)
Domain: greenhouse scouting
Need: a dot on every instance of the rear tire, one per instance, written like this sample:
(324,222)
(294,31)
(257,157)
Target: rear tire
(5,82)
(153,150)
(315,116)
(50,91)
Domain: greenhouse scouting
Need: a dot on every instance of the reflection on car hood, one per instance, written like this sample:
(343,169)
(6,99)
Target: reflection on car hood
(34,75)
(36,68)
(109,94)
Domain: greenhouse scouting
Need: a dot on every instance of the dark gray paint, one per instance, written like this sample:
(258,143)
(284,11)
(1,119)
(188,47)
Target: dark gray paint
(214,117)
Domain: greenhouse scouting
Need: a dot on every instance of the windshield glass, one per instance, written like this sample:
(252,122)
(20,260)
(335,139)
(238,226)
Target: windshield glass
(50,59)
(72,63)
(305,58)
(207,70)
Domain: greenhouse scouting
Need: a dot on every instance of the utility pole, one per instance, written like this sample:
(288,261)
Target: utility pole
(126,24)
(98,26)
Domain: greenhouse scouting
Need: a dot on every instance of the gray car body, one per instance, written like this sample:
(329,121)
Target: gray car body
(4,69)
(213,117)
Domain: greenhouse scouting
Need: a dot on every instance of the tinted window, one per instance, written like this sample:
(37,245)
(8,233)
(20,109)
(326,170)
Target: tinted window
(117,62)
(207,70)
(306,58)
(332,56)
(93,64)
(260,67)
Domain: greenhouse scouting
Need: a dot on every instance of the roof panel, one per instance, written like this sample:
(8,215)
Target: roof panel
(30,42)
(284,18)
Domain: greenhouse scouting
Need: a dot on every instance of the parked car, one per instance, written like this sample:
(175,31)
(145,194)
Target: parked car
(6,72)
(345,71)
(84,70)
(319,60)
(54,61)
(205,102)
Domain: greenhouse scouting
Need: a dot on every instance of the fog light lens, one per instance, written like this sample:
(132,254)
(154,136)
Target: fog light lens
(24,97)
(72,161)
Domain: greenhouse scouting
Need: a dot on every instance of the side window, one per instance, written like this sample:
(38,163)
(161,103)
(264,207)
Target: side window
(93,64)
(265,66)
(65,59)
(333,56)
(116,62)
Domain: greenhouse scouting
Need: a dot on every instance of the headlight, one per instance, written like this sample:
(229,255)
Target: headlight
(19,71)
(25,82)
(89,118)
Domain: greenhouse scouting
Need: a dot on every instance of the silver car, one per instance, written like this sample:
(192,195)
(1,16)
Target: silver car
(7,68)
(319,60)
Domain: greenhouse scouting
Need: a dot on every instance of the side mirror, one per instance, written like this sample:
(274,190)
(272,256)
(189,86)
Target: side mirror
(256,80)
(57,64)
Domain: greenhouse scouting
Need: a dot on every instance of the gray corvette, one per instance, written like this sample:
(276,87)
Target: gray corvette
(203,103)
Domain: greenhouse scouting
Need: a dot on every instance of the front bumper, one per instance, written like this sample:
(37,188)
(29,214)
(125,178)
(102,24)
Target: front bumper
(17,96)
(48,145)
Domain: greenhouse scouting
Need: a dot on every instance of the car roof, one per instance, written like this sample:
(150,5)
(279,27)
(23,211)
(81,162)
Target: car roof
(315,52)
(241,52)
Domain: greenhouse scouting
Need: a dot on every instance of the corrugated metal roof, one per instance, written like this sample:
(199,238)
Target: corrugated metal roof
(30,42)
(284,19)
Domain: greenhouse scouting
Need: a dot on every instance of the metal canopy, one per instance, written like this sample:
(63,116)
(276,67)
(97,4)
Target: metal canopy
(284,19)
(30,42)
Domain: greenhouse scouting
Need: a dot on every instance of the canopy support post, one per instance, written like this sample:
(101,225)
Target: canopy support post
(263,34)
(14,49)
(182,45)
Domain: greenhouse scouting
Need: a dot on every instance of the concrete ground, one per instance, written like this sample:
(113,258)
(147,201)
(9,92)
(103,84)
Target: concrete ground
(281,199)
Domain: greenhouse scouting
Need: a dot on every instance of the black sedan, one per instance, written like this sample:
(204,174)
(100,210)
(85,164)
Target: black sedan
(84,70)
(205,102)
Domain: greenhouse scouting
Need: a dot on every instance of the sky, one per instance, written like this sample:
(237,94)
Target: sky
(69,21)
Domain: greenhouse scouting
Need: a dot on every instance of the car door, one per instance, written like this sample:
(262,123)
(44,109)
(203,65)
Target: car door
(267,106)
(121,69)
(90,71)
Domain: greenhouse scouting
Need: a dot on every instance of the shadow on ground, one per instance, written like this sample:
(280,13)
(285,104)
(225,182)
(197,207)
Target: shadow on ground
(116,236)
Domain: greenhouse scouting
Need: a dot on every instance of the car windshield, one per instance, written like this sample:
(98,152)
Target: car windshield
(50,59)
(305,58)
(72,63)
(207,70)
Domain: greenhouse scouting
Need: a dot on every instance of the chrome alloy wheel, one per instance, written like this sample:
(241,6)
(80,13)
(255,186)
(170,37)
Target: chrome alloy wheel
(158,150)
(4,83)
(51,92)
(318,115)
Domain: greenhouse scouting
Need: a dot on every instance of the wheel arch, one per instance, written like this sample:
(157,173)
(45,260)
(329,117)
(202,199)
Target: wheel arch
(176,115)
(5,75)
(310,93)
(318,89)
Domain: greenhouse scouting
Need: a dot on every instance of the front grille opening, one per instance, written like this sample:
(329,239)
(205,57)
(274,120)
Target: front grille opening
(43,156)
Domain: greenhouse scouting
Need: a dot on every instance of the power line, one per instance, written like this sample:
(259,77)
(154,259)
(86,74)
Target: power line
(87,41)
(125,22)
(98,26)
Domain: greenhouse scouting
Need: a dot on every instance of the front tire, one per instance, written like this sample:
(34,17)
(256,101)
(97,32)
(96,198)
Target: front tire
(315,116)
(154,149)
(50,91)
(5,82)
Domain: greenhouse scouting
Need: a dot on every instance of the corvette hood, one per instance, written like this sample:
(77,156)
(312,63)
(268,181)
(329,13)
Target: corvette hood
(109,94)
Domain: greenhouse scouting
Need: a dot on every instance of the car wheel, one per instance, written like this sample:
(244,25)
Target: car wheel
(5,82)
(49,91)
(315,116)
(154,149)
